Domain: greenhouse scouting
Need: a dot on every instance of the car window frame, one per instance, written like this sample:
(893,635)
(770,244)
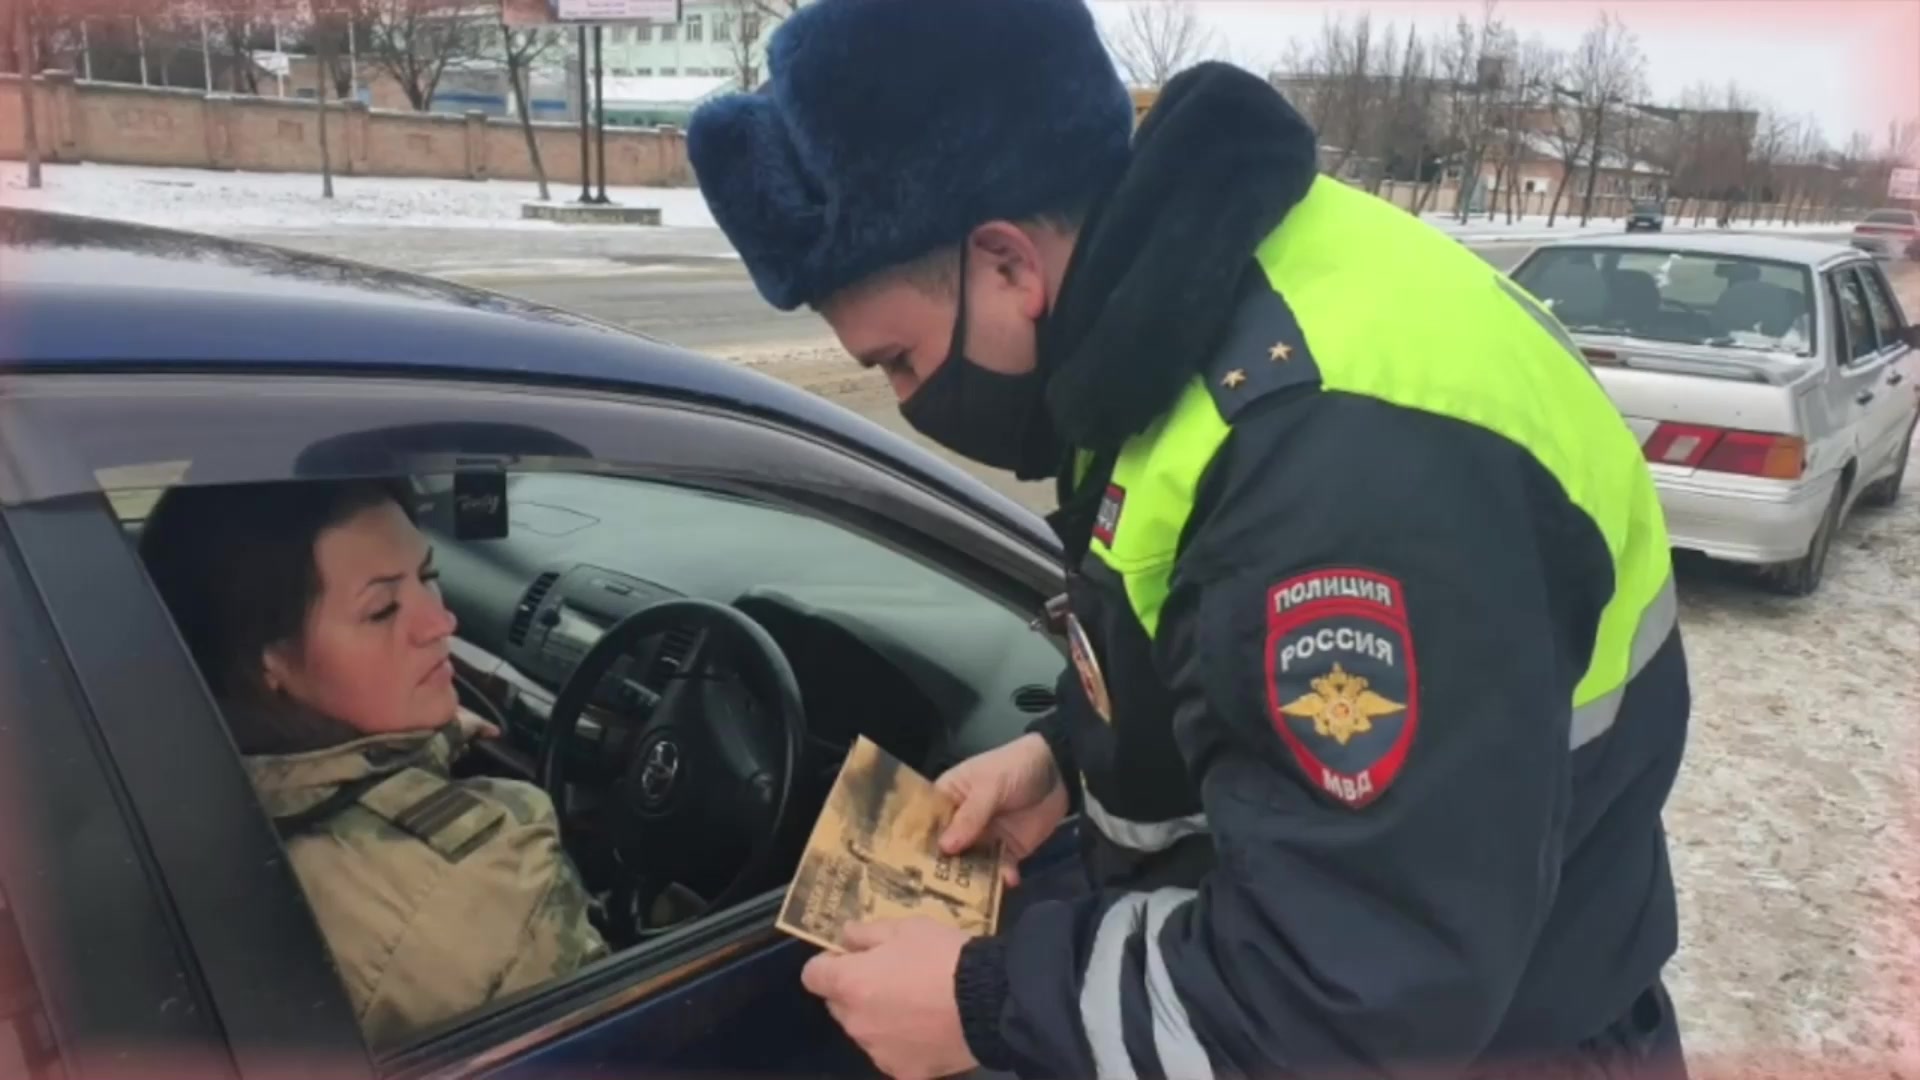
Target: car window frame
(1847,360)
(1874,283)
(1013,563)
(86,856)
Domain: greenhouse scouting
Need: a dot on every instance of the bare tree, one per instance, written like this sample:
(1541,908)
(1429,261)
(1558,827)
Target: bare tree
(741,24)
(1903,140)
(1158,39)
(1773,134)
(1405,129)
(20,20)
(1332,81)
(1805,160)
(1609,73)
(1568,130)
(416,41)
(1472,62)
(1529,91)
(237,34)
(523,48)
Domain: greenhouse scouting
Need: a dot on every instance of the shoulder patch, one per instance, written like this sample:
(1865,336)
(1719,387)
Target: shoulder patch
(444,815)
(1342,690)
(1263,351)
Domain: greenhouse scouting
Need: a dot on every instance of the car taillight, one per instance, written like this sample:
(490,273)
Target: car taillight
(1747,453)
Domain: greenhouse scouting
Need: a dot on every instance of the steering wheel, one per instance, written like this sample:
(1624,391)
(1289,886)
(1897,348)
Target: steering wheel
(691,781)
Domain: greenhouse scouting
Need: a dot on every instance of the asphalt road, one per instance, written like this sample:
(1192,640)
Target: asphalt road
(713,308)
(681,286)
(707,303)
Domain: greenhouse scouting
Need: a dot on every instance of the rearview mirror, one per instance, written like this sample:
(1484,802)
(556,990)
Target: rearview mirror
(1913,335)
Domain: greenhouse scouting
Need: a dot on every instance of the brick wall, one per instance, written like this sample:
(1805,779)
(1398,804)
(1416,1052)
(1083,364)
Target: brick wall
(130,125)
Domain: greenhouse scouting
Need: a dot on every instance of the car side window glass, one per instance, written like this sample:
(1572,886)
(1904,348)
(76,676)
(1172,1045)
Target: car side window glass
(1886,317)
(1856,315)
(885,642)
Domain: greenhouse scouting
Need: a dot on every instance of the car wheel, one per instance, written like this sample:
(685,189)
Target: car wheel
(1802,576)
(1884,492)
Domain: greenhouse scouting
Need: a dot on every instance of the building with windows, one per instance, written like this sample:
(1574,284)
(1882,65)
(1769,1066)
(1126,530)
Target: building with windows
(713,39)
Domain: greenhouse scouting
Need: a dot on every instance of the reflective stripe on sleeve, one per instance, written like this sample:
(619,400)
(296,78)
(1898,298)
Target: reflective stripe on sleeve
(1596,717)
(1182,1057)
(1145,836)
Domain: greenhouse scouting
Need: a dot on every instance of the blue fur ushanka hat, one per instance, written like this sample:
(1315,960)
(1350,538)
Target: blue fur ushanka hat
(890,128)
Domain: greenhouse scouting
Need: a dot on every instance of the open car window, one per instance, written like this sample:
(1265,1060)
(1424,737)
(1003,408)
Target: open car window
(1690,298)
(908,613)
(883,644)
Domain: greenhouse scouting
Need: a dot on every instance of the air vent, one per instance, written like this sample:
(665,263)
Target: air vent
(1033,699)
(673,654)
(530,603)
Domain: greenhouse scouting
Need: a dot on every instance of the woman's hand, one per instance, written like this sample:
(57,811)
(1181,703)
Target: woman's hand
(472,726)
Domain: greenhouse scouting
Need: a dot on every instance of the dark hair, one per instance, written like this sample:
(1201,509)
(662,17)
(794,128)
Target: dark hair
(235,565)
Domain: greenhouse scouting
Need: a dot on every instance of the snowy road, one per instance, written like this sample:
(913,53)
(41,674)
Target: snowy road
(682,282)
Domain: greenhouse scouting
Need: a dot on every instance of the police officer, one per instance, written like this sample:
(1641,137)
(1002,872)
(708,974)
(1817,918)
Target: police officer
(1378,689)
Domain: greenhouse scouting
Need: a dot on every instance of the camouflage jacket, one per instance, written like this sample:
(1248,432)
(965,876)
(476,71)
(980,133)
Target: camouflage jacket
(435,895)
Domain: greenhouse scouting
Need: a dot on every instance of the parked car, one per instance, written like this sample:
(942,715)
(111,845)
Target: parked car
(149,921)
(1774,383)
(1888,233)
(1649,215)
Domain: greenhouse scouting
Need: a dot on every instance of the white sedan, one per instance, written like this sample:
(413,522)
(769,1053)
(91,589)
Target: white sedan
(1774,383)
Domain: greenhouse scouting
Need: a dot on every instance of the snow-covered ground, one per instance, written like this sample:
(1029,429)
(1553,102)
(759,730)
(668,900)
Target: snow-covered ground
(1529,229)
(255,203)
(246,202)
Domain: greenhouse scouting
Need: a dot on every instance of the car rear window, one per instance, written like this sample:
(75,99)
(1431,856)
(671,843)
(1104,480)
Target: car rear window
(1890,217)
(1696,298)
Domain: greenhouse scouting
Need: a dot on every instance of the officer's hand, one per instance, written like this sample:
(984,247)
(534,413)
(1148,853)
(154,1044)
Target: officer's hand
(1013,792)
(892,992)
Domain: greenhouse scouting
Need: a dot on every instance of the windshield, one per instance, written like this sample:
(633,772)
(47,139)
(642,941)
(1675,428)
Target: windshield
(1695,298)
(1890,217)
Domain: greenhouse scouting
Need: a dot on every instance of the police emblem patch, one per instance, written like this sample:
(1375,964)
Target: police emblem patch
(1341,686)
(1092,681)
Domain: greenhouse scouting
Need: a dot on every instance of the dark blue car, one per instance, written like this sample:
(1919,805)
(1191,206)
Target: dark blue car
(149,921)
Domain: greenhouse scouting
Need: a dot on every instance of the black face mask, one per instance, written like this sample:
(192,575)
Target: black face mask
(997,420)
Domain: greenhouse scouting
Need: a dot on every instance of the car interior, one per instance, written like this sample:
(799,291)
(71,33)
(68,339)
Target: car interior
(684,670)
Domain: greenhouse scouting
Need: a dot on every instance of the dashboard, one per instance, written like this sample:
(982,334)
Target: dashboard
(883,644)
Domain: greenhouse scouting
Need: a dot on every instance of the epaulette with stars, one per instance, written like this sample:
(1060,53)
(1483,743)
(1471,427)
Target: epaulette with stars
(1262,353)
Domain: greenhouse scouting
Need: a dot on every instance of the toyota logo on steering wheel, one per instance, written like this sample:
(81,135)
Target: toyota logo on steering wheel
(658,773)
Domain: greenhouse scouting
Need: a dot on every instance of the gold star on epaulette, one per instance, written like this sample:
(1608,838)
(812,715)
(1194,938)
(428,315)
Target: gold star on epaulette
(1233,379)
(1280,351)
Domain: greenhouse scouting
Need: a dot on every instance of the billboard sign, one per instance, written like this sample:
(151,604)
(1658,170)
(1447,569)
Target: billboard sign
(587,12)
(1904,184)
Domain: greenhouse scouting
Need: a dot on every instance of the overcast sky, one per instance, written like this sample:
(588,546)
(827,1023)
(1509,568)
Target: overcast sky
(1852,64)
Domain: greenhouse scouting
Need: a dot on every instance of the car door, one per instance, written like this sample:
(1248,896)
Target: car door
(100,969)
(682,1002)
(1895,399)
(1857,391)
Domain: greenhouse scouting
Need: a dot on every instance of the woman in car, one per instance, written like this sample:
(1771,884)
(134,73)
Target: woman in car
(313,613)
